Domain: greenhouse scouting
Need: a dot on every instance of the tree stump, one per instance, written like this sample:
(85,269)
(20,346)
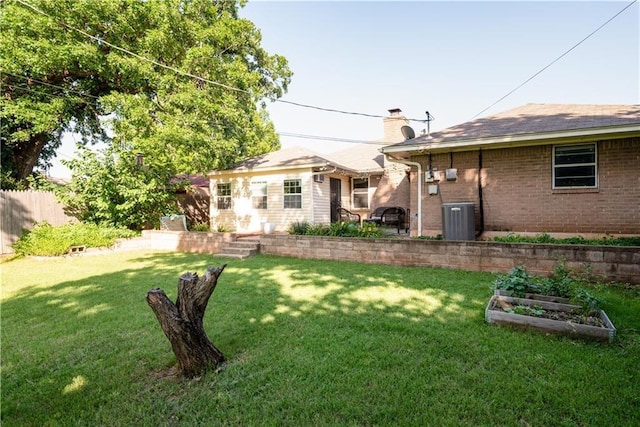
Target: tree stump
(182,322)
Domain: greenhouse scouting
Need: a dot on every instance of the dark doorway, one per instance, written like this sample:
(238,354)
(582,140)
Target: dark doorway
(335,189)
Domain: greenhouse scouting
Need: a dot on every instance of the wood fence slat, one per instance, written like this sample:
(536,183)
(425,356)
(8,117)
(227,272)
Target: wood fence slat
(22,209)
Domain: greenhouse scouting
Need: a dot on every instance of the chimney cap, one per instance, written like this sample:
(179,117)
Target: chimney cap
(394,111)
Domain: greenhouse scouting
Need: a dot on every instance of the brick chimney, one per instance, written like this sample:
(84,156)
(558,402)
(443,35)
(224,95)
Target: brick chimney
(392,125)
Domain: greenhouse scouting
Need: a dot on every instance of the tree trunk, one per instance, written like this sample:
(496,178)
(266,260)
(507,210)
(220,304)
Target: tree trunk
(182,321)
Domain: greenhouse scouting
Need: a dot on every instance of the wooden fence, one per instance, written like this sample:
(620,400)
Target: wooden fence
(22,209)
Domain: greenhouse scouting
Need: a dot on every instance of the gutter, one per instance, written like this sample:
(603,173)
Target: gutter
(419,166)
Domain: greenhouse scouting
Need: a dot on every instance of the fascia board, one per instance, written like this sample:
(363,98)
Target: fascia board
(244,171)
(508,141)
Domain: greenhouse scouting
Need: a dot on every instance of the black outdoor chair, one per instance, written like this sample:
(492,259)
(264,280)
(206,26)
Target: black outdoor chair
(390,216)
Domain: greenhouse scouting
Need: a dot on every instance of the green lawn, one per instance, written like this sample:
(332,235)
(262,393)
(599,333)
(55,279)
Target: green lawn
(307,342)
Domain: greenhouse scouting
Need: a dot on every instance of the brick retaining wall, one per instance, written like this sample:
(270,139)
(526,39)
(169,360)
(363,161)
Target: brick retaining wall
(616,263)
(186,241)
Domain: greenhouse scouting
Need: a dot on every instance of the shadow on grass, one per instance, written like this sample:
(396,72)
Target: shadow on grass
(79,339)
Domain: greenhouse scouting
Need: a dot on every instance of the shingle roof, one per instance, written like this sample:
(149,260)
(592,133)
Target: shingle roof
(535,119)
(296,157)
(362,157)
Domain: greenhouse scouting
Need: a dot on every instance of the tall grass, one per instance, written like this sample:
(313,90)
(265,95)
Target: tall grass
(307,342)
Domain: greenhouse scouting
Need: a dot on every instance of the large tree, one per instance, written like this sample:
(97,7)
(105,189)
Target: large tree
(184,82)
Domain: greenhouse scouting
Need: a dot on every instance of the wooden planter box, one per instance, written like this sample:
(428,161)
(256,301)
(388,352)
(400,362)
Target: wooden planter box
(538,297)
(495,315)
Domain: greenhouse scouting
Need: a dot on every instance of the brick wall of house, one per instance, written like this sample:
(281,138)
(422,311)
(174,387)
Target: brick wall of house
(518,194)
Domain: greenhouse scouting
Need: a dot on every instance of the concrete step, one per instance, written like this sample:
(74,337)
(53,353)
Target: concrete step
(239,249)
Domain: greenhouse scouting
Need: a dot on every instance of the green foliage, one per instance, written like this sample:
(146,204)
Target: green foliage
(110,188)
(335,229)
(47,240)
(517,281)
(586,300)
(199,227)
(56,79)
(299,228)
(546,238)
(221,228)
(526,310)
(561,283)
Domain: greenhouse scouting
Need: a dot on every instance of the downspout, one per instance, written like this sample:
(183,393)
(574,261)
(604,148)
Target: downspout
(419,166)
(480,197)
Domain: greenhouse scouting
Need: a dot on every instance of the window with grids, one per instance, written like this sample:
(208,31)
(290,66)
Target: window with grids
(360,193)
(259,194)
(575,166)
(293,194)
(224,195)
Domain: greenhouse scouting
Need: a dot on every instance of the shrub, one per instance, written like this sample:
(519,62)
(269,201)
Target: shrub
(47,240)
(560,284)
(299,227)
(578,240)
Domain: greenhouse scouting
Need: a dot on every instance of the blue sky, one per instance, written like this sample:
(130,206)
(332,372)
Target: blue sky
(451,58)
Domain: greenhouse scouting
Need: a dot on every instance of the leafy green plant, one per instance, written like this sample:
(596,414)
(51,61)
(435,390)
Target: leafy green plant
(526,310)
(578,240)
(199,227)
(560,283)
(47,240)
(299,227)
(370,229)
(221,228)
(586,300)
(517,282)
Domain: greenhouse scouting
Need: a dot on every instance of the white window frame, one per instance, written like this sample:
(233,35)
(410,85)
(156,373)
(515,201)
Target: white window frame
(360,191)
(593,164)
(223,201)
(259,195)
(290,197)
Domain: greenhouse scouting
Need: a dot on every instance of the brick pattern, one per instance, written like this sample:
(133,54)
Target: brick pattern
(518,194)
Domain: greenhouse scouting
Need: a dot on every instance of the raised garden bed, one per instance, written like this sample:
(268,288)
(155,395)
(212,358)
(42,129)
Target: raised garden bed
(538,297)
(549,317)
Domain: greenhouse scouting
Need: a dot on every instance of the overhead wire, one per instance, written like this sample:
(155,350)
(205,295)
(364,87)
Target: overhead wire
(284,134)
(556,60)
(200,78)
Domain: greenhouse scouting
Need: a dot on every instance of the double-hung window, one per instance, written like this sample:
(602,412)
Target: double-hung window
(360,193)
(224,195)
(575,166)
(293,194)
(259,194)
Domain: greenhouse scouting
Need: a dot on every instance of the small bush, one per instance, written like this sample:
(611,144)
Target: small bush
(335,229)
(299,228)
(199,227)
(47,240)
(560,284)
(517,282)
(578,240)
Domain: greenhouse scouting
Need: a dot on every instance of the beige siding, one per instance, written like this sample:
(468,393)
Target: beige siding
(243,218)
(321,201)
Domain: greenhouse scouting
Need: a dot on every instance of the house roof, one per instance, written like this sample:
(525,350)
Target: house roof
(362,157)
(528,125)
(298,157)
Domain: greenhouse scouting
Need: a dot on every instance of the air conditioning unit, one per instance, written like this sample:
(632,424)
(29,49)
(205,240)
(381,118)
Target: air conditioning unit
(318,178)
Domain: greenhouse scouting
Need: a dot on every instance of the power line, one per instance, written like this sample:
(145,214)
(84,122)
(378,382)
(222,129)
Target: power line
(557,59)
(330,138)
(202,79)
(31,79)
(284,134)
